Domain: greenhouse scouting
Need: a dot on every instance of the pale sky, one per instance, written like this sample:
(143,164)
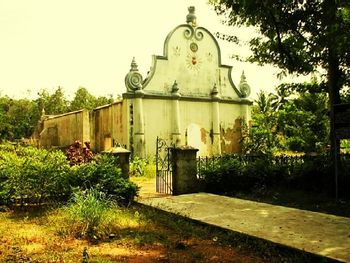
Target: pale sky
(90,43)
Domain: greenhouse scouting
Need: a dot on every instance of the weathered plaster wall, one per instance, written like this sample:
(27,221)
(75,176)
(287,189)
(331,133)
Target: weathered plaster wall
(157,117)
(108,126)
(63,130)
(198,117)
(195,124)
(230,126)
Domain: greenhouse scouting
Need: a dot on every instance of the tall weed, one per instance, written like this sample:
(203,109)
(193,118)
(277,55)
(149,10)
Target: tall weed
(88,214)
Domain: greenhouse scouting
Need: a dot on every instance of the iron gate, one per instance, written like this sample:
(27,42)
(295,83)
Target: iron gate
(164,167)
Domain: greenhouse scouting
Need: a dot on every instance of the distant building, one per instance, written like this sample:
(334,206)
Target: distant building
(187,98)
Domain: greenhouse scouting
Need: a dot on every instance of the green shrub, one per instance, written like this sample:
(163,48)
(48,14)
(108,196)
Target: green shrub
(30,175)
(103,175)
(222,175)
(34,176)
(232,174)
(313,174)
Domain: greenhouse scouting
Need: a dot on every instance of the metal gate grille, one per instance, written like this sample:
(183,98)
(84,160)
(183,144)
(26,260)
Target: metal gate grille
(164,167)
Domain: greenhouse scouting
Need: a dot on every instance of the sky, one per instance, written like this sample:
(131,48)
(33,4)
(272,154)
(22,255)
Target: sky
(90,43)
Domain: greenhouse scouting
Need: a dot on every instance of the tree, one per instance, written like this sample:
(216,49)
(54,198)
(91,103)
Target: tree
(303,121)
(23,116)
(5,127)
(298,36)
(84,100)
(289,121)
(55,103)
(262,137)
(17,117)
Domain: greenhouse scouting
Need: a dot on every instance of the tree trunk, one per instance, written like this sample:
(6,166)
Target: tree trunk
(334,75)
(334,85)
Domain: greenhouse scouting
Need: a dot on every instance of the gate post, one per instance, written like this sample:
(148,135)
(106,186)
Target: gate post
(121,159)
(184,170)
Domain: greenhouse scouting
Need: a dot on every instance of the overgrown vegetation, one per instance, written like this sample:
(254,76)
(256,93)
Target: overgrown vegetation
(89,214)
(299,37)
(144,167)
(288,121)
(30,175)
(234,174)
(35,176)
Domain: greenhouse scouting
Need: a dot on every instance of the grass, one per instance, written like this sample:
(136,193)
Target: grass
(138,234)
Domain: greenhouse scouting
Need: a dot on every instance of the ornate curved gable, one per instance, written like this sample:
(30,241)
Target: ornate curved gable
(192,58)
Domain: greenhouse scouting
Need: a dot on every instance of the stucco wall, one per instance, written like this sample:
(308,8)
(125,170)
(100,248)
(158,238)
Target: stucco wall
(195,124)
(108,126)
(63,130)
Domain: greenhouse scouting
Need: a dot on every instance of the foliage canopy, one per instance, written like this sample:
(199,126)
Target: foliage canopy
(298,36)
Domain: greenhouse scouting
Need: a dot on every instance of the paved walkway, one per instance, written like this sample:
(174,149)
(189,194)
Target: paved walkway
(317,233)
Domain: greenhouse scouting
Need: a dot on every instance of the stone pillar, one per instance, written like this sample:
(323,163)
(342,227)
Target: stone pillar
(133,83)
(121,158)
(176,128)
(86,126)
(184,170)
(139,127)
(216,146)
(245,113)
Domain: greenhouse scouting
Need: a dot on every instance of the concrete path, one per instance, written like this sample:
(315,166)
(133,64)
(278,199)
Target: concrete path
(317,233)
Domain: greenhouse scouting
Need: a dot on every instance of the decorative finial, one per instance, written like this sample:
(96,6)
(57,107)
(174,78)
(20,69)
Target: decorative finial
(244,86)
(175,89)
(191,17)
(214,92)
(133,80)
(133,65)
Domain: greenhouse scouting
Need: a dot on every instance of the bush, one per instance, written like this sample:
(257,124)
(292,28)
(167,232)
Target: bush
(30,175)
(232,174)
(33,176)
(313,174)
(77,153)
(222,175)
(103,175)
